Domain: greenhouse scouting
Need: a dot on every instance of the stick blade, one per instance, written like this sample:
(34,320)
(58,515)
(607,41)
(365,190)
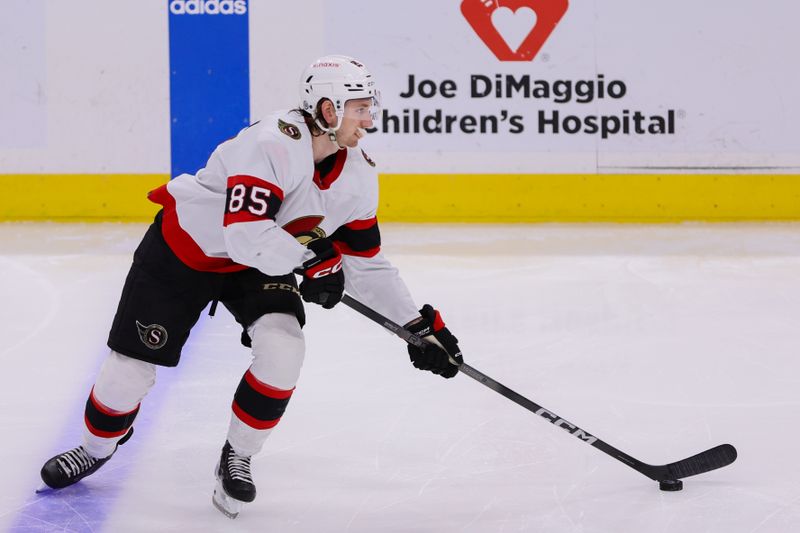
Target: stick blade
(711,459)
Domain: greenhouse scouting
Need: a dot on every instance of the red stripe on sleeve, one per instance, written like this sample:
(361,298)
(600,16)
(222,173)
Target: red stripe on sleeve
(362,224)
(346,250)
(251,181)
(241,216)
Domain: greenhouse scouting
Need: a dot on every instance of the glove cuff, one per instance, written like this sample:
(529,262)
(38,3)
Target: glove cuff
(328,259)
(432,317)
(322,247)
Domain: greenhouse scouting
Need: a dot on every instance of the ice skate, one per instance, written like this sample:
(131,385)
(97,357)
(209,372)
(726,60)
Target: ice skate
(234,482)
(71,466)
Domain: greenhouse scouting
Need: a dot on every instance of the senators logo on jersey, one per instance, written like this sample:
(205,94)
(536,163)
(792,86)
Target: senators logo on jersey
(289,130)
(305,229)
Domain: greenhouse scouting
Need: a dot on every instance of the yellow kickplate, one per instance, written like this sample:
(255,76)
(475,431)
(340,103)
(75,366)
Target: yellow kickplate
(78,197)
(588,197)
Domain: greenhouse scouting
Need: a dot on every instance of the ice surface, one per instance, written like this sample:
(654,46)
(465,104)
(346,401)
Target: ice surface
(661,340)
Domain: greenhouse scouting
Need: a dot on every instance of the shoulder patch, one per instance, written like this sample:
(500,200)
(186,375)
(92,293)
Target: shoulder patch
(370,161)
(289,130)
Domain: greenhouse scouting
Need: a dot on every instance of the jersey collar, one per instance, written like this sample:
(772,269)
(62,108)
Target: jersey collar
(324,182)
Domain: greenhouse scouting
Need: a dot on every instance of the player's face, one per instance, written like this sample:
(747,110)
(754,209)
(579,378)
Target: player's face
(358,116)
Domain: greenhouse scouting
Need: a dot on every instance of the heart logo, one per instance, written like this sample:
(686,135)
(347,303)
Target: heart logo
(514,30)
(514,26)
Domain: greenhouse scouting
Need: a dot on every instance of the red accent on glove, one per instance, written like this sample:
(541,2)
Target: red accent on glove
(438,323)
(330,262)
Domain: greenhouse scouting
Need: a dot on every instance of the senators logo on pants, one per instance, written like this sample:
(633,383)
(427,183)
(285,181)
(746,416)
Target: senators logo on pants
(153,336)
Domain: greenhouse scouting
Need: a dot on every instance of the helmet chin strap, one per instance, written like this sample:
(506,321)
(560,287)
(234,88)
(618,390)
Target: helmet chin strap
(331,132)
(332,137)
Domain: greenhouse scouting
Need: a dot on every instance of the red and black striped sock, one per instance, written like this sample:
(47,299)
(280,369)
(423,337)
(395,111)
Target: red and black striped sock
(107,423)
(257,404)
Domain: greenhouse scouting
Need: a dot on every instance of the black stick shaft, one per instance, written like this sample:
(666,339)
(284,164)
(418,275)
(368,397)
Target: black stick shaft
(703,462)
(496,386)
(550,416)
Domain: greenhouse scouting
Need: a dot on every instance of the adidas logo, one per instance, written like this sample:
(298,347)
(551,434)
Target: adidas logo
(208,7)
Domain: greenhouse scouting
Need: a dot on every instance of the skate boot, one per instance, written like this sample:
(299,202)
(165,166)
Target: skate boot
(234,482)
(71,466)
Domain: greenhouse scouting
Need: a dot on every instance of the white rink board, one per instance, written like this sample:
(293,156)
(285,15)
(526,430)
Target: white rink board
(732,98)
(663,340)
(90,97)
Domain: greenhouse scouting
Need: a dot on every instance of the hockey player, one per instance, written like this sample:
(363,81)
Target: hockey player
(291,193)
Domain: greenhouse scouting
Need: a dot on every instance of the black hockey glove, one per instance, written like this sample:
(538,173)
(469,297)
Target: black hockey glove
(442,355)
(323,278)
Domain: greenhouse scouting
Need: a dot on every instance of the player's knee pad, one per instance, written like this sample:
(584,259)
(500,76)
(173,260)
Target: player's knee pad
(278,350)
(123,382)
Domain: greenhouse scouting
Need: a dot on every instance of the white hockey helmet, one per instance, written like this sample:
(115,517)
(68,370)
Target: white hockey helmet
(339,79)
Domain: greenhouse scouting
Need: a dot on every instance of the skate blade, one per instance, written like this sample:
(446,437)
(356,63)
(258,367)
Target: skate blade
(44,489)
(228,506)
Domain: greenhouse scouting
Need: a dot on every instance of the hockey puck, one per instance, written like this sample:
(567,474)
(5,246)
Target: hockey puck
(670,484)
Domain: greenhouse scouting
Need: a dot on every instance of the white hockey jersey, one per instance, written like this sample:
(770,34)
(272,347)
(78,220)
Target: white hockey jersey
(260,198)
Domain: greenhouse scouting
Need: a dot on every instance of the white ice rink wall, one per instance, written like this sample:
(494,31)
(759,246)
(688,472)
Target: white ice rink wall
(507,110)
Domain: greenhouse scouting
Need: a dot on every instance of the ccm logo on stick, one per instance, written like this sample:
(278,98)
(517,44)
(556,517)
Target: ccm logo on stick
(567,426)
(208,7)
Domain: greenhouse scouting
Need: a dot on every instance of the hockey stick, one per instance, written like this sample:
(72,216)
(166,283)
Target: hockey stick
(667,475)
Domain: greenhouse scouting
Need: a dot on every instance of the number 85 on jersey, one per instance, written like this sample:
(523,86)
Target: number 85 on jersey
(251,199)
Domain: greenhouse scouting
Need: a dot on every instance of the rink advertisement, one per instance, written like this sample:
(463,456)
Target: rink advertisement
(608,86)
(209,65)
(501,110)
(514,30)
(533,110)
(545,121)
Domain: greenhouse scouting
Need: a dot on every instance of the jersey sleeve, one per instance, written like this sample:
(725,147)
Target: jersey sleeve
(361,238)
(258,179)
(375,282)
(369,276)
